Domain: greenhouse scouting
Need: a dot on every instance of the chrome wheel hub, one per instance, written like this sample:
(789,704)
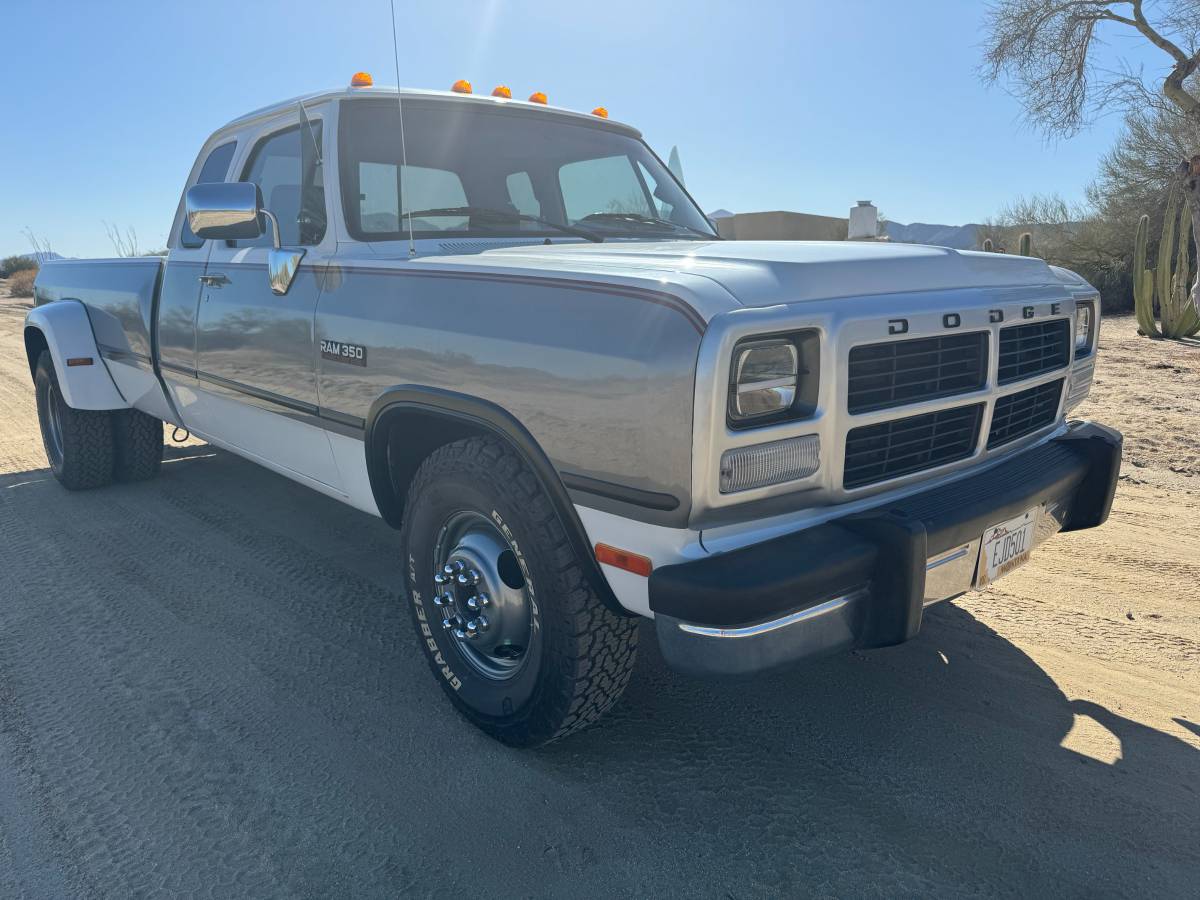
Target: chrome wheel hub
(482,595)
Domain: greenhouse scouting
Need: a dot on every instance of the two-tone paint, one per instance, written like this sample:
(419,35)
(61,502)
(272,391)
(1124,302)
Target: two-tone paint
(609,361)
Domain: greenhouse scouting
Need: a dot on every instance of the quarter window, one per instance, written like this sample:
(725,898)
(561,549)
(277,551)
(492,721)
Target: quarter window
(215,168)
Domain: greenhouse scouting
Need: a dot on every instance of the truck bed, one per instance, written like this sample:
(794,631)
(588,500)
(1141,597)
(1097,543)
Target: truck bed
(121,297)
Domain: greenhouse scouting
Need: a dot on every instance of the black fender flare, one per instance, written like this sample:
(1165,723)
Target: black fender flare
(467,414)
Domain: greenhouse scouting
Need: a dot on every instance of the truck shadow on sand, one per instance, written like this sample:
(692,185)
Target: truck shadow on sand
(937,765)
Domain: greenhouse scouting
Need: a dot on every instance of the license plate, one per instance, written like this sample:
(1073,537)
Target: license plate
(1005,547)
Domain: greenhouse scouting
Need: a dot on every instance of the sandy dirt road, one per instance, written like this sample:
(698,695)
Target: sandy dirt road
(209,687)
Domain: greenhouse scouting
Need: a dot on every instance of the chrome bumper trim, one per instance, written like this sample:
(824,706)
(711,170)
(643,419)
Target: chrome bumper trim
(774,624)
(830,626)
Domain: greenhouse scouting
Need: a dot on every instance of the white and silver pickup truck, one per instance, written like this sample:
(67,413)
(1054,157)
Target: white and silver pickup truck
(506,329)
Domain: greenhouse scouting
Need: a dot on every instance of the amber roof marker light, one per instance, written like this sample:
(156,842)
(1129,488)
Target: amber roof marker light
(601,112)
(361,79)
(502,90)
(537,97)
(462,86)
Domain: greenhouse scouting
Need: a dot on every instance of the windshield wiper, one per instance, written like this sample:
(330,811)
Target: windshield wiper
(482,211)
(648,220)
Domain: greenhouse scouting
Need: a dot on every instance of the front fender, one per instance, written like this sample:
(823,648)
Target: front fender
(64,329)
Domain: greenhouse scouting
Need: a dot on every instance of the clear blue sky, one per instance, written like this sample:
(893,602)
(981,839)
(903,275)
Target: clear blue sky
(775,105)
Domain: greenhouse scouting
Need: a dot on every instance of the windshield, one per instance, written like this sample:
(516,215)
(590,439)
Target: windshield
(479,172)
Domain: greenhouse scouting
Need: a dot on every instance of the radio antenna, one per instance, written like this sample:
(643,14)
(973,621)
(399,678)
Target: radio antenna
(412,247)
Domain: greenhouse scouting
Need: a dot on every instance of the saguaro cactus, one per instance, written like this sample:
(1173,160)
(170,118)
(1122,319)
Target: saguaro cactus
(1143,282)
(1186,322)
(1166,257)
(1026,248)
(1171,280)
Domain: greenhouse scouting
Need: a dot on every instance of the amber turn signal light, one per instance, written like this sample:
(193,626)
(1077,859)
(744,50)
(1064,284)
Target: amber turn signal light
(537,97)
(624,559)
(361,79)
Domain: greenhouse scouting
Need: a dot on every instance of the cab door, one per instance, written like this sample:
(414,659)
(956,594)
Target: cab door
(174,320)
(256,377)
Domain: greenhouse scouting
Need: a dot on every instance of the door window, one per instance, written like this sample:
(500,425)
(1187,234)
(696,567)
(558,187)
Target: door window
(285,167)
(379,191)
(521,194)
(606,184)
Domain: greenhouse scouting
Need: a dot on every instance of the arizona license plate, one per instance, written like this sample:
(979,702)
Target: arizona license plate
(1005,547)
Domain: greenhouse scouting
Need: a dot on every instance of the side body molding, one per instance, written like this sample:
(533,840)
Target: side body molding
(427,417)
(66,331)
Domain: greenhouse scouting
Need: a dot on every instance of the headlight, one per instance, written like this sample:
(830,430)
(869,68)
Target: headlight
(768,379)
(1085,318)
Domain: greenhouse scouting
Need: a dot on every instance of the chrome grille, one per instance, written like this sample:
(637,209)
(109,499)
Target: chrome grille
(898,372)
(1024,412)
(902,446)
(1029,350)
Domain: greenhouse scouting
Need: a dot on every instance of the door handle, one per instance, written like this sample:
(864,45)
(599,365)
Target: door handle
(214,280)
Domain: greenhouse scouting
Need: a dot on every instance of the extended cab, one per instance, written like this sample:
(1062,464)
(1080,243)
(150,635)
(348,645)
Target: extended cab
(508,330)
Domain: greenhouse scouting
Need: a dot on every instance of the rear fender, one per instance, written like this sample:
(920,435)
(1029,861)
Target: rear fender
(63,328)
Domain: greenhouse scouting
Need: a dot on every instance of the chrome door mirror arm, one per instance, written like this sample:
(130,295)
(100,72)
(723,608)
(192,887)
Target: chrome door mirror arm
(281,263)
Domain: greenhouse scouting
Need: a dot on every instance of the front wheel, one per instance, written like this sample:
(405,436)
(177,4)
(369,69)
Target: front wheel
(511,625)
(78,442)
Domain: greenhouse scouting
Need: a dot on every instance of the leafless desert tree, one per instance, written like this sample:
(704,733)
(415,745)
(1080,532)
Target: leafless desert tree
(1046,51)
(42,251)
(125,243)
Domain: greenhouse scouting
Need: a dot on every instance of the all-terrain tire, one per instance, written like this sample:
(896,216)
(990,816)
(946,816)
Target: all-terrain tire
(137,445)
(78,442)
(580,653)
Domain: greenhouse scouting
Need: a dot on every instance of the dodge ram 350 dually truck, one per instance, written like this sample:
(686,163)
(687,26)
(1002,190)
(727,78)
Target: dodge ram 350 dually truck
(506,329)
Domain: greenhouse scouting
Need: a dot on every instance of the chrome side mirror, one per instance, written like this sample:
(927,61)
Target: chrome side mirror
(232,211)
(224,211)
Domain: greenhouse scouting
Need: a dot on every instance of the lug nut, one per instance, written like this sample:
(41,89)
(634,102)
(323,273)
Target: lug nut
(443,599)
(478,601)
(441,579)
(481,623)
(472,628)
(468,578)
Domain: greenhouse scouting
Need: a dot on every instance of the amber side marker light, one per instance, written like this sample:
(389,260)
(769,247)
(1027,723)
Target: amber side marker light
(81,361)
(462,86)
(502,90)
(624,559)
(537,97)
(362,79)
(601,112)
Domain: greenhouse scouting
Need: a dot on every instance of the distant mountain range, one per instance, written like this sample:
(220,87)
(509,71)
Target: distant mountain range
(960,237)
(43,257)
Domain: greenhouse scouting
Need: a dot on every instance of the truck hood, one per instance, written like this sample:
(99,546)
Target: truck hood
(766,273)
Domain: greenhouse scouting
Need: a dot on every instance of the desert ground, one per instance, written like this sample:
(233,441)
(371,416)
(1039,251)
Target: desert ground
(208,687)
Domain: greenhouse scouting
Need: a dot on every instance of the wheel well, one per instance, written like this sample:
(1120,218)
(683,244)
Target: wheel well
(409,437)
(407,423)
(35,343)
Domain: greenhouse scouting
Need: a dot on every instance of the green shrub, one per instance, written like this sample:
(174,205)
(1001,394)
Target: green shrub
(21,283)
(11,265)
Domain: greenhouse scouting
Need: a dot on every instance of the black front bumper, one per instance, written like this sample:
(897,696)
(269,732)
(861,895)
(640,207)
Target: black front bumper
(861,580)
